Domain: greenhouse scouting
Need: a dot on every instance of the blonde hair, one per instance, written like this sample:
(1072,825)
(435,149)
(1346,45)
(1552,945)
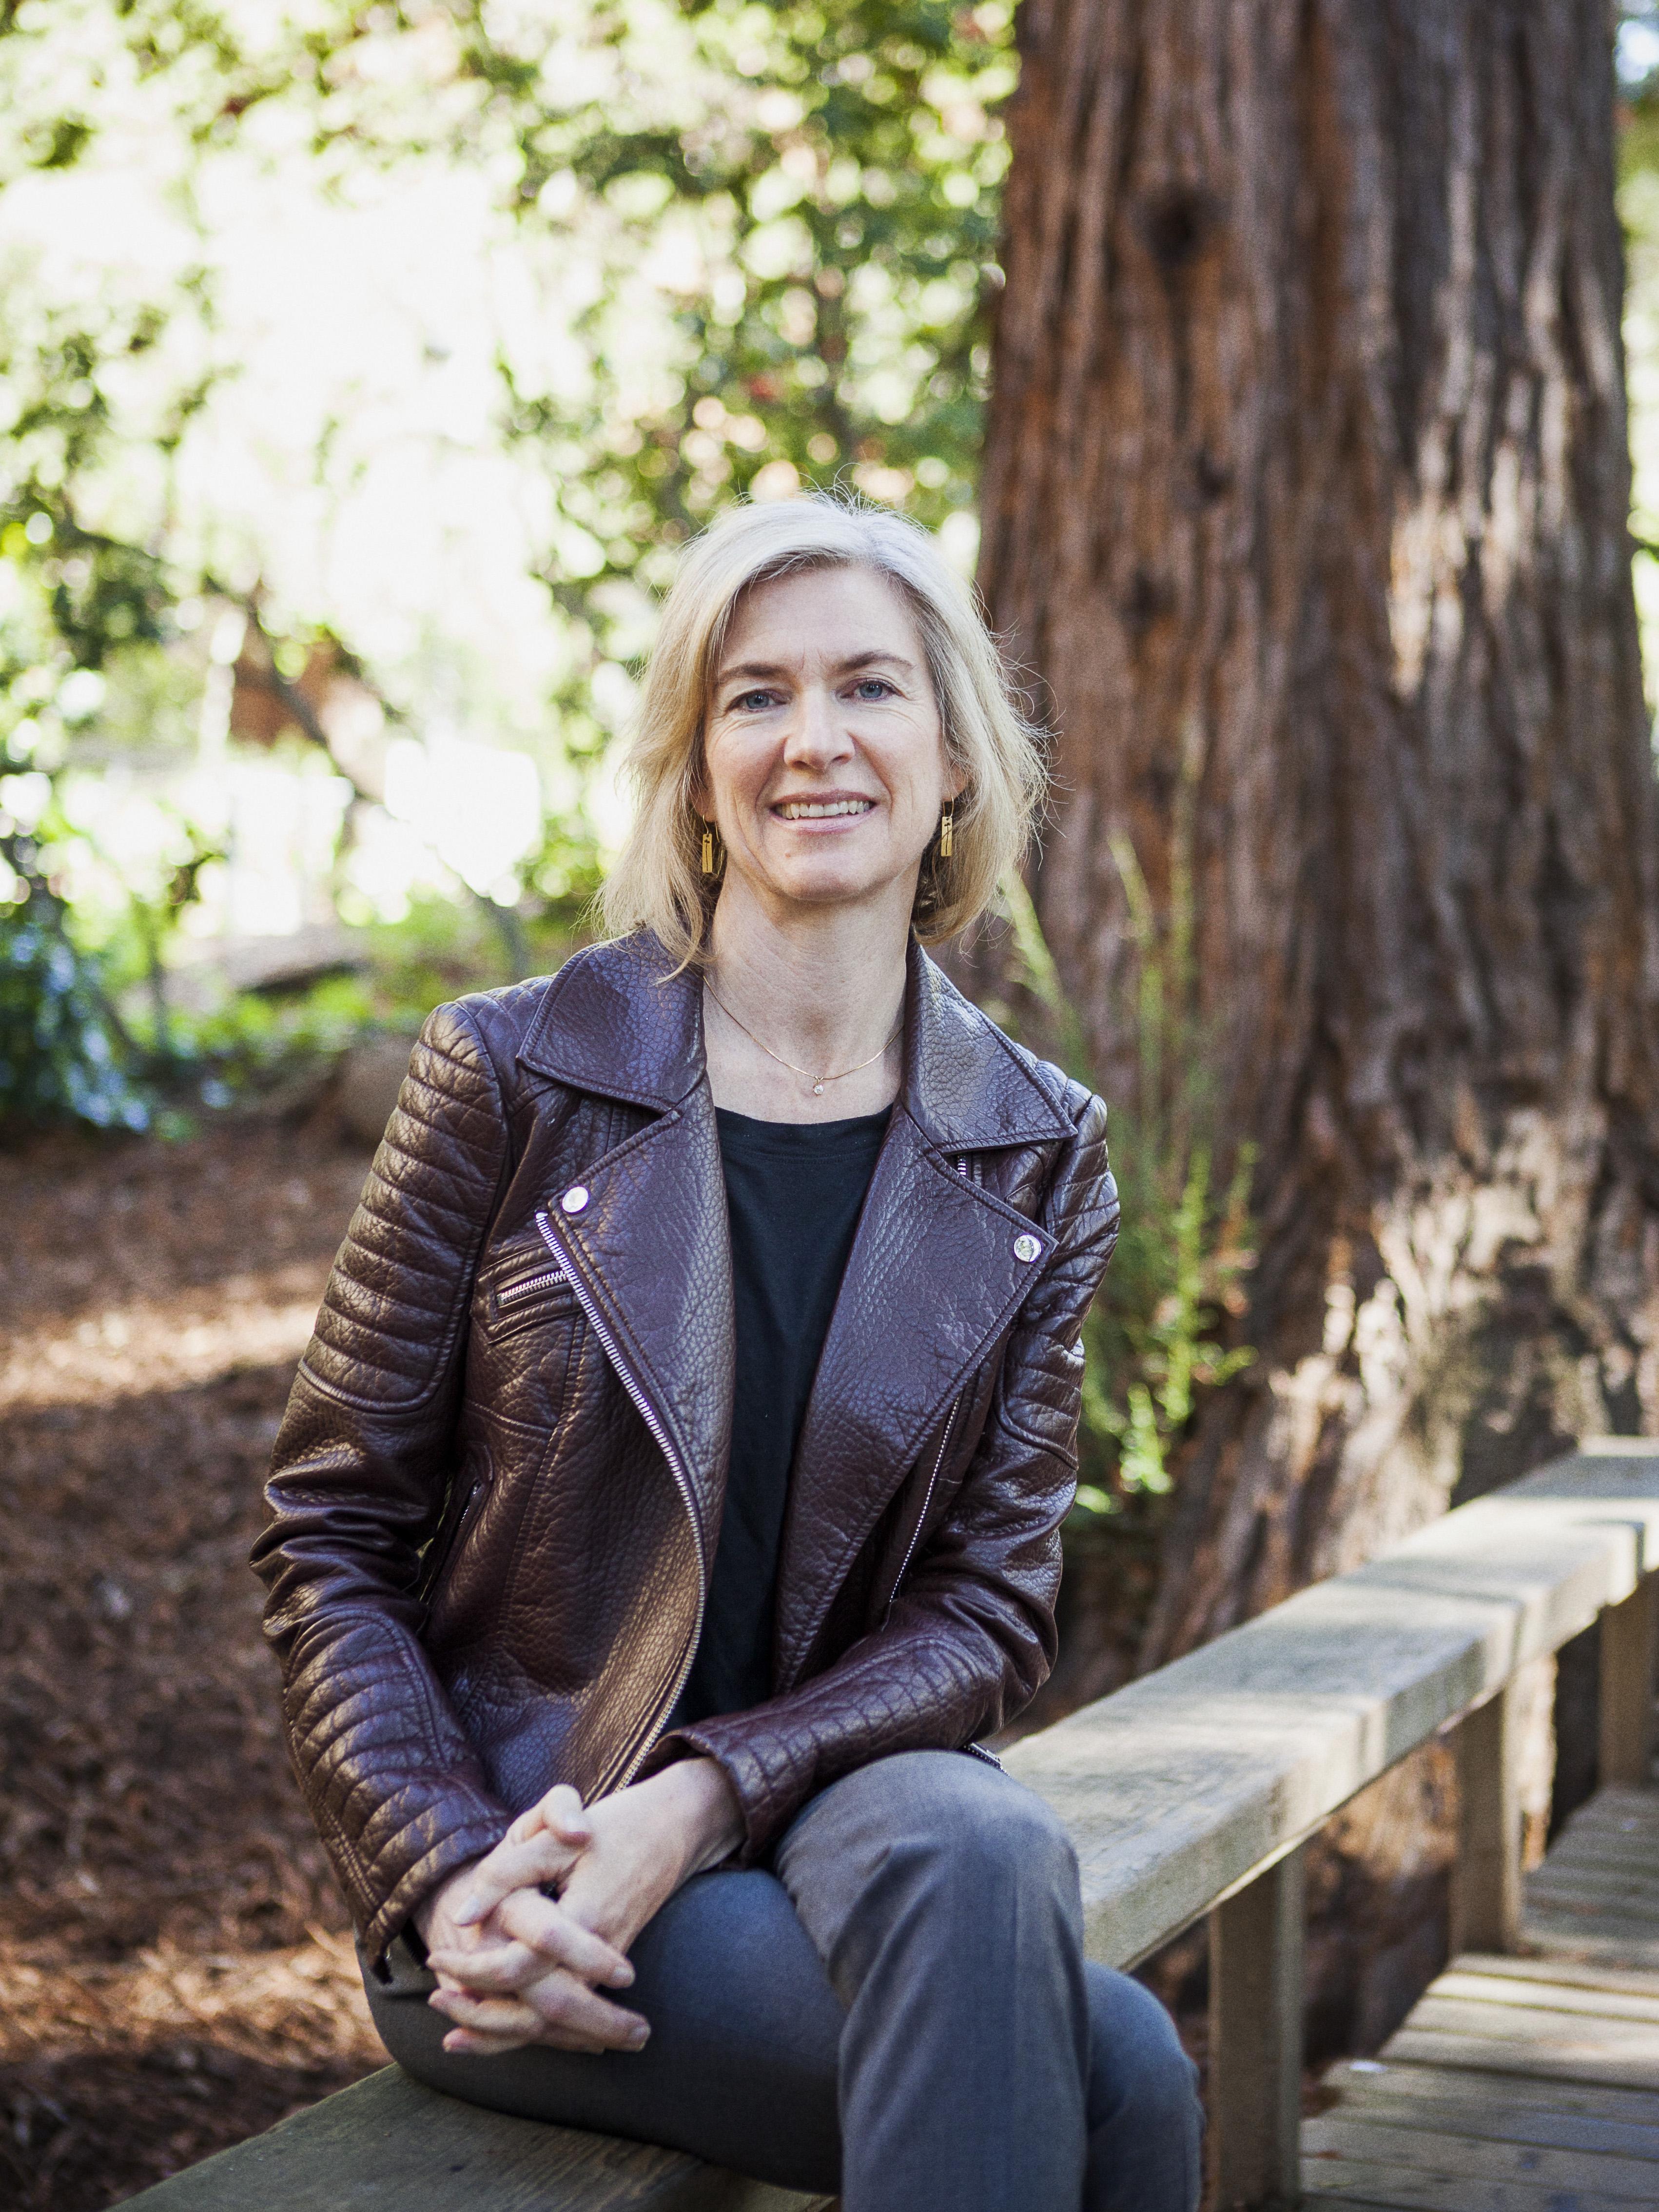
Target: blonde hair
(657,883)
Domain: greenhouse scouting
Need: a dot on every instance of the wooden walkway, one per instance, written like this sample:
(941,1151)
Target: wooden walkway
(1523,2084)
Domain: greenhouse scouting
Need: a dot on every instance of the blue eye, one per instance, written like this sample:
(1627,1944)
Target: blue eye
(872,688)
(751,701)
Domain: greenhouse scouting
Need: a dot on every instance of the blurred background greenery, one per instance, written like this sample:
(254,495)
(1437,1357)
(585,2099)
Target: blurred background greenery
(360,369)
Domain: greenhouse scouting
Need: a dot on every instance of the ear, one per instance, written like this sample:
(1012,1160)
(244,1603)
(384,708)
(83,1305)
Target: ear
(955,778)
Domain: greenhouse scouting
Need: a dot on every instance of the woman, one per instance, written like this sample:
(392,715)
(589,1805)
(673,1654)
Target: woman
(670,1495)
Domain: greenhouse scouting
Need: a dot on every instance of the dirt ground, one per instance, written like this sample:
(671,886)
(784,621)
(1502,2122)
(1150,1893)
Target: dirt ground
(176,1966)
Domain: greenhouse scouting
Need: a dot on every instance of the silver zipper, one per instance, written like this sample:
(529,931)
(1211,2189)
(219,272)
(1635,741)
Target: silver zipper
(927,1499)
(432,1575)
(527,1287)
(648,1414)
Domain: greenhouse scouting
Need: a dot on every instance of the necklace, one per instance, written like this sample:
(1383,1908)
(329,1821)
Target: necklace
(817,1082)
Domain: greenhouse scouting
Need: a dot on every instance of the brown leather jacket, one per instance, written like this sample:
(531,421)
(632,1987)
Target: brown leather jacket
(497,1490)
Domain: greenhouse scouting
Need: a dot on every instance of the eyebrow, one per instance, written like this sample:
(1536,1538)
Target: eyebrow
(763,671)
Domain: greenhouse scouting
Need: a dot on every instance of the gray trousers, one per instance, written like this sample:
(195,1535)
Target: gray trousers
(901,2013)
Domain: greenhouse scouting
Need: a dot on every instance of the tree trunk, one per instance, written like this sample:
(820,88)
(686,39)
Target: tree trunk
(1306,498)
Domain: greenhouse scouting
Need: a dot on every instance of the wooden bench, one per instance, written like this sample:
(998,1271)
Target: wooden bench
(1188,1794)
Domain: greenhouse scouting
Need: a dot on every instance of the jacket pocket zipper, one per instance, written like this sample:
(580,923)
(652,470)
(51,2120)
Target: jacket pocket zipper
(451,1543)
(648,1412)
(926,1500)
(528,1285)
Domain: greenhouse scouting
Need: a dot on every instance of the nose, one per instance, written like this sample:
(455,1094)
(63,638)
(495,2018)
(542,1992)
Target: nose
(818,736)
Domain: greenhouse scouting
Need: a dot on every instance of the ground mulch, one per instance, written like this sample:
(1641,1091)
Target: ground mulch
(176,1969)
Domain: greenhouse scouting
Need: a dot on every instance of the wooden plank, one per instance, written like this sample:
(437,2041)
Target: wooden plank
(1611,1941)
(1256,1944)
(1567,1897)
(1602,1855)
(1368,2140)
(1538,1997)
(1501,2054)
(1410,2190)
(1614,1828)
(1449,2086)
(1571,1973)
(1183,1785)
(1630,1804)
(1453,2015)
(1609,1914)
(1486,1873)
(1630,1682)
(1595,1879)
(388,2145)
(1625,1804)
(1486,2118)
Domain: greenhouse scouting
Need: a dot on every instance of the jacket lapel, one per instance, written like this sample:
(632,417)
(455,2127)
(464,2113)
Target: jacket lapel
(649,1238)
(935,1277)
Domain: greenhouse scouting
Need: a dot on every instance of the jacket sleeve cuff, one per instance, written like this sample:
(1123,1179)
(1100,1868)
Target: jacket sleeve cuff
(766,1811)
(458,1848)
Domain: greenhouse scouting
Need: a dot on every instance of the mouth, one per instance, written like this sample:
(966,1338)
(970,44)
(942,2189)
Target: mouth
(831,809)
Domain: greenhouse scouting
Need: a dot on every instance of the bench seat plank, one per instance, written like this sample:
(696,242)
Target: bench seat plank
(1185,1784)
(388,2145)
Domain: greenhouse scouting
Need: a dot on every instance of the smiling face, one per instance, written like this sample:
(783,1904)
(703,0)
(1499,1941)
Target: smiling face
(824,762)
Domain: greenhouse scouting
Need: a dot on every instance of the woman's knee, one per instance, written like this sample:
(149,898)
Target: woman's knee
(929,1839)
(1135,2059)
(970,1827)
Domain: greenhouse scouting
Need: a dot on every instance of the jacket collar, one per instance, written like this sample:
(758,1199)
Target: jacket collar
(619,1021)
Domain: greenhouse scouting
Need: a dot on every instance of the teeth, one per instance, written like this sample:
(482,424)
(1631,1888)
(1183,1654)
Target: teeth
(813,809)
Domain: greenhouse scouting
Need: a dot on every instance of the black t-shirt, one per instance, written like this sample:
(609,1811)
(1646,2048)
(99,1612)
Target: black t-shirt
(793,1194)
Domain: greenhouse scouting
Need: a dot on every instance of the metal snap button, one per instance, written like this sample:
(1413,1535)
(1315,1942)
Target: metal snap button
(576,1198)
(1026,1248)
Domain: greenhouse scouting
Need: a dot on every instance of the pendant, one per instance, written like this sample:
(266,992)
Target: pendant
(817,1089)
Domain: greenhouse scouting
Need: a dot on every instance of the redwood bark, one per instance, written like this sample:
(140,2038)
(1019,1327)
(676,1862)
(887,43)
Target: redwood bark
(1306,497)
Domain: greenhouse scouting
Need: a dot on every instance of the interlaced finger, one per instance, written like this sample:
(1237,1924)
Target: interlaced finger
(524,1865)
(544,1926)
(569,2006)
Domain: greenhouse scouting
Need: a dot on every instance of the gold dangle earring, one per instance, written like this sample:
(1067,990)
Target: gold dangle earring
(707,850)
(947,829)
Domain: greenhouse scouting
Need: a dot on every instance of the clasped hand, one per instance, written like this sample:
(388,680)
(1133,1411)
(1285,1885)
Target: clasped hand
(516,1966)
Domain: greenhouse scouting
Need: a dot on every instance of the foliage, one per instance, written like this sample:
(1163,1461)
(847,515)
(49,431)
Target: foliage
(1154,1340)
(66,598)
(761,239)
(62,1056)
(823,219)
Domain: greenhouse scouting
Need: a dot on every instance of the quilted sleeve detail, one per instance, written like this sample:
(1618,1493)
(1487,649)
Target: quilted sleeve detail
(392,1315)
(970,1636)
(357,1486)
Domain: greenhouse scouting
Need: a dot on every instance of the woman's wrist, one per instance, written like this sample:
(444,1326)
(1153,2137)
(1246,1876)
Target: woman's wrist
(422,1918)
(706,1809)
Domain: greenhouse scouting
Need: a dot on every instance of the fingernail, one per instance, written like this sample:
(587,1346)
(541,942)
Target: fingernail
(470,1908)
(639,2037)
(623,1977)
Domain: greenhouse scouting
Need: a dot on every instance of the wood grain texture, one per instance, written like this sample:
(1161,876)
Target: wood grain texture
(1630,1663)
(1516,2084)
(1486,1875)
(1551,2115)
(1257,1996)
(1412,2190)
(1179,1788)
(389,2145)
(1374,2142)
(1306,498)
